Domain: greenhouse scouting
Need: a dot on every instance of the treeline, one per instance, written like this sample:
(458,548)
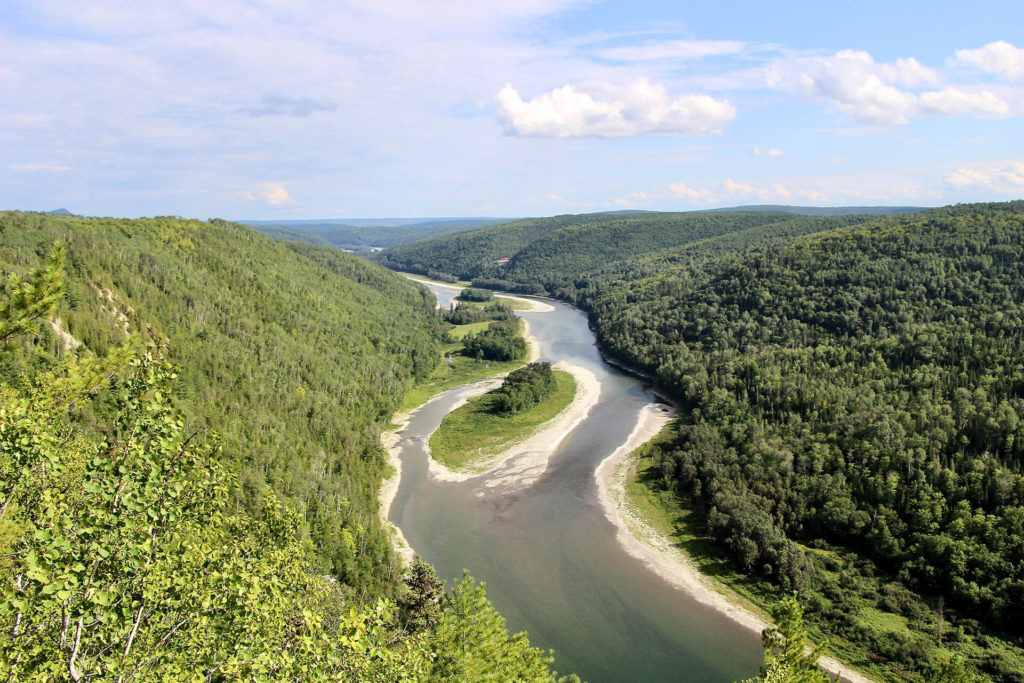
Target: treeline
(243,315)
(464,314)
(524,388)
(476,294)
(499,342)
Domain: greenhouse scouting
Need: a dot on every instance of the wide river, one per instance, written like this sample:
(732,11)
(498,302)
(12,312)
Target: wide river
(548,555)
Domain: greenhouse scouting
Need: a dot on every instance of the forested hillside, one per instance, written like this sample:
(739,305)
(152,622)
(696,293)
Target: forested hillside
(140,542)
(571,253)
(476,253)
(294,355)
(361,237)
(864,389)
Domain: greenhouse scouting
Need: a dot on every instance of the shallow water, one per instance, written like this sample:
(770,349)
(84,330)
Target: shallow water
(547,553)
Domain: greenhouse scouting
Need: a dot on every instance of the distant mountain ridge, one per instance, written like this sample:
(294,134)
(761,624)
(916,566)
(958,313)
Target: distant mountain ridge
(825,210)
(366,234)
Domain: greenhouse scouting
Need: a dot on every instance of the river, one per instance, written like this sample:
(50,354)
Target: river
(549,556)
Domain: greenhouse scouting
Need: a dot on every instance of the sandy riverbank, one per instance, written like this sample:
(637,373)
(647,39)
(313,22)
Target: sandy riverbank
(658,551)
(522,464)
(534,305)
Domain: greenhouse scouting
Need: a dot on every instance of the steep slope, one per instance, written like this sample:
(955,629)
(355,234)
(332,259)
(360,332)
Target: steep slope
(475,253)
(295,355)
(122,556)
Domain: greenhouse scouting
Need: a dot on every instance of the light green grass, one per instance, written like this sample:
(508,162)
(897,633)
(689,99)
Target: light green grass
(474,432)
(461,331)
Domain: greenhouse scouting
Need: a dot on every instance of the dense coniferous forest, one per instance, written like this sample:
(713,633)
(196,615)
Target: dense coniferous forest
(174,522)
(853,394)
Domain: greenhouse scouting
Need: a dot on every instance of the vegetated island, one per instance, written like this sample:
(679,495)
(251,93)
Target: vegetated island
(470,436)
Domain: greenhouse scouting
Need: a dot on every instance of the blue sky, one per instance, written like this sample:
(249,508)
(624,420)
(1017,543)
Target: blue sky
(292,109)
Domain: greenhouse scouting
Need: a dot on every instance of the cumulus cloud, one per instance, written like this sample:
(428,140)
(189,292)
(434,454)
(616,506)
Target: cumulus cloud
(1000,58)
(1006,177)
(273,194)
(280,105)
(611,111)
(730,189)
(852,82)
(672,49)
(770,152)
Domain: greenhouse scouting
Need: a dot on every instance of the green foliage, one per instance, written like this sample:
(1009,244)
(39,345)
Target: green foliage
(419,604)
(296,355)
(789,656)
(572,255)
(472,643)
(524,388)
(24,302)
(464,314)
(475,294)
(499,342)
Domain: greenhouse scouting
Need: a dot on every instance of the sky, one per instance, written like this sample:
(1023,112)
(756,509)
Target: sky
(273,109)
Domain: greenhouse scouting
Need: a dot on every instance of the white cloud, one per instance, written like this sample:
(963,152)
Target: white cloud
(273,194)
(53,168)
(638,195)
(672,49)
(852,82)
(1000,58)
(609,111)
(956,102)
(770,152)
(1005,177)
(684,191)
(732,190)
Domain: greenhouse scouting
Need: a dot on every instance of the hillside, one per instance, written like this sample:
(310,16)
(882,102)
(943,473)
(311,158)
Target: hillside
(475,253)
(569,250)
(294,355)
(858,390)
(362,235)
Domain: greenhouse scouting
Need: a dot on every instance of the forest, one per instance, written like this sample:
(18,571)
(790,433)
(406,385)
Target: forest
(189,419)
(853,393)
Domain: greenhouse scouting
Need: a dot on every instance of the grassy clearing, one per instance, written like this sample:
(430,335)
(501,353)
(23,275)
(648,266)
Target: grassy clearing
(460,331)
(473,432)
(857,611)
